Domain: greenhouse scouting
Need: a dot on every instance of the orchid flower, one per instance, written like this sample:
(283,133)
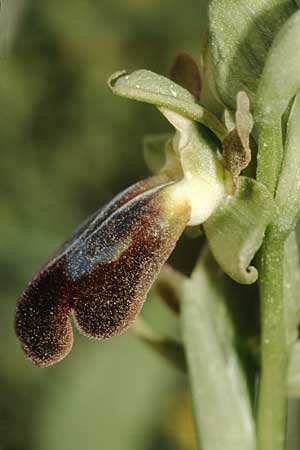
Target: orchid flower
(103,272)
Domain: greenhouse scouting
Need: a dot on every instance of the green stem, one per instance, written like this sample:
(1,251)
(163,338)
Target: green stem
(272,402)
(269,155)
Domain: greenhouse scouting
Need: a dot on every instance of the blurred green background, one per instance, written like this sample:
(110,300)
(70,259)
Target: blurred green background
(67,146)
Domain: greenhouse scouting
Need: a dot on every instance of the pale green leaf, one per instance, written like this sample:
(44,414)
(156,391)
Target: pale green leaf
(280,79)
(240,35)
(149,87)
(288,189)
(291,289)
(294,372)
(280,82)
(236,230)
(221,400)
(292,312)
(293,429)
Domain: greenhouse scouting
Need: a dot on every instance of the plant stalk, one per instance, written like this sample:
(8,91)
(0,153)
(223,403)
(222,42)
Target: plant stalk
(272,401)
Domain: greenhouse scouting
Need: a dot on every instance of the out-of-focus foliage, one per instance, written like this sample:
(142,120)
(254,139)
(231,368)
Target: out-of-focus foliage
(67,146)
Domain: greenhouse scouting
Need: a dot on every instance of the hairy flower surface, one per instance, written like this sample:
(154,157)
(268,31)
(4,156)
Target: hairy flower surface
(103,272)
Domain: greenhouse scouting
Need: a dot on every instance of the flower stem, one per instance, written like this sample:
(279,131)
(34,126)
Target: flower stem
(272,401)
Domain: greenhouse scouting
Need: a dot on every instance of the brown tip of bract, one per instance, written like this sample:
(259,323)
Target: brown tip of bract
(185,72)
(236,145)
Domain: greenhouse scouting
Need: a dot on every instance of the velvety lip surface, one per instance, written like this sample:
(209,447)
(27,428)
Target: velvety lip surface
(102,273)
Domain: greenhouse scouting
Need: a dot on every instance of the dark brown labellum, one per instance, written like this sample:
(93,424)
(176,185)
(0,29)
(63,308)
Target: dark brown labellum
(102,273)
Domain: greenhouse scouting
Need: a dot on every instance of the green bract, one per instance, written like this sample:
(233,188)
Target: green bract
(236,230)
(280,79)
(240,35)
(279,83)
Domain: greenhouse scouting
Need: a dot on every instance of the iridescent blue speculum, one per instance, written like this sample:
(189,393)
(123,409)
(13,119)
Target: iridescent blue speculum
(102,274)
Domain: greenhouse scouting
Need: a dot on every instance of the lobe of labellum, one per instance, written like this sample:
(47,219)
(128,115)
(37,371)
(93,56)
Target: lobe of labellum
(43,312)
(42,317)
(114,270)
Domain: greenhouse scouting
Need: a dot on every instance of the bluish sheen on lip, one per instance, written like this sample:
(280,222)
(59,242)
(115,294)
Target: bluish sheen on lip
(102,273)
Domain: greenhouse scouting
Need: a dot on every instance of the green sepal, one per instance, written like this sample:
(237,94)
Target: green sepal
(240,35)
(168,348)
(159,155)
(154,151)
(235,231)
(149,87)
